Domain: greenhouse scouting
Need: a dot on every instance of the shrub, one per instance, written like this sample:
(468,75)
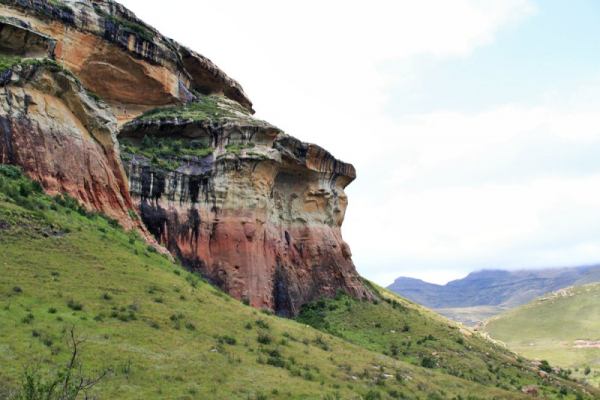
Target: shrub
(264,338)
(545,366)
(261,323)
(10,171)
(190,326)
(227,340)
(373,395)
(74,305)
(176,317)
(52,310)
(428,362)
(276,362)
(28,318)
(99,317)
(154,325)
(47,340)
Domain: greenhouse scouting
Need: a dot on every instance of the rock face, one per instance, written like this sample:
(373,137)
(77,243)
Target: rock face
(260,216)
(256,211)
(63,138)
(115,55)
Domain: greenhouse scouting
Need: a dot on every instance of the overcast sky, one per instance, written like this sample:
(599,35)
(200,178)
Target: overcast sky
(474,125)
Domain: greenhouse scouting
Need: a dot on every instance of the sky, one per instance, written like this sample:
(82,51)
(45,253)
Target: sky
(474,125)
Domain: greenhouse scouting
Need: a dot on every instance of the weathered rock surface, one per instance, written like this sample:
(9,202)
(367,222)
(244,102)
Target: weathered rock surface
(263,224)
(531,390)
(259,213)
(122,59)
(63,138)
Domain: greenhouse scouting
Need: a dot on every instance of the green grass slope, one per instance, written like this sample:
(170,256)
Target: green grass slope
(562,327)
(161,332)
(411,333)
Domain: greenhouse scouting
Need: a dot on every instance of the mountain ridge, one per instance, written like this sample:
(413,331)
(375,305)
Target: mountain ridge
(494,287)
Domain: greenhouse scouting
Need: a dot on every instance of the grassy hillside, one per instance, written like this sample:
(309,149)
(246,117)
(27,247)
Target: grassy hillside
(159,331)
(408,332)
(562,327)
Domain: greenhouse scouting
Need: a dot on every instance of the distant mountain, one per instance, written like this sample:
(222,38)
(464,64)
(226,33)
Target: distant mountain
(494,287)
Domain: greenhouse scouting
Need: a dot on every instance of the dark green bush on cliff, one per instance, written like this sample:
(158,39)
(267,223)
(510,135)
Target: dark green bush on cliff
(7,62)
(161,151)
(211,109)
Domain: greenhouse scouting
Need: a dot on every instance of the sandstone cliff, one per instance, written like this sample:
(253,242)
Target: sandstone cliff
(254,210)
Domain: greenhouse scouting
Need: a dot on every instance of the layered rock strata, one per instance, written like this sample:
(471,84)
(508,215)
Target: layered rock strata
(260,216)
(257,212)
(114,54)
(64,138)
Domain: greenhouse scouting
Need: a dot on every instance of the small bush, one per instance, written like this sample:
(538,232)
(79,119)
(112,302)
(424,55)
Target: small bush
(10,171)
(261,323)
(52,310)
(74,305)
(373,395)
(47,340)
(264,338)
(428,362)
(28,318)
(227,340)
(176,317)
(190,326)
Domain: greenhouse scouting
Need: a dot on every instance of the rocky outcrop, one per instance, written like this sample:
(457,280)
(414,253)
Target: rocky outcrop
(260,216)
(257,212)
(531,390)
(115,55)
(64,138)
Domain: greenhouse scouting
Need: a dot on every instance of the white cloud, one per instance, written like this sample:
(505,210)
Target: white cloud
(513,187)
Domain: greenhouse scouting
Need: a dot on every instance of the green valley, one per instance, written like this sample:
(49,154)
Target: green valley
(562,327)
